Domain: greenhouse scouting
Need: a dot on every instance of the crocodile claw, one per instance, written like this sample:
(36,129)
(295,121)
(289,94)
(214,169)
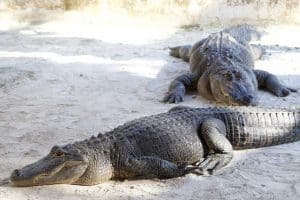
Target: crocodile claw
(210,165)
(284,91)
(292,89)
(196,170)
(173,98)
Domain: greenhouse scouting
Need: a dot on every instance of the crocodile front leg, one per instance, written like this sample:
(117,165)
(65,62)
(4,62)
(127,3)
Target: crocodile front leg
(152,167)
(213,132)
(179,86)
(270,82)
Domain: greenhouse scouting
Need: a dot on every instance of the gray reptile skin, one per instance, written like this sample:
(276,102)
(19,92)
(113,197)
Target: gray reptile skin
(183,140)
(222,69)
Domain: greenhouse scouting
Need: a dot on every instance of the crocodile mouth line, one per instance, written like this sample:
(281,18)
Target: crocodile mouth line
(20,181)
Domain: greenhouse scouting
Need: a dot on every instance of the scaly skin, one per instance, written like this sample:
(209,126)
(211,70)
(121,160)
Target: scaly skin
(164,146)
(222,69)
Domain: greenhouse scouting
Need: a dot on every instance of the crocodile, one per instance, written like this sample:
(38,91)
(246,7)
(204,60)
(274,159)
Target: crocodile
(166,145)
(222,69)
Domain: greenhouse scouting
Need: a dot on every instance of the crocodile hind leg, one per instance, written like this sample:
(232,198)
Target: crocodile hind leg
(179,86)
(213,132)
(270,82)
(153,167)
(182,52)
(257,51)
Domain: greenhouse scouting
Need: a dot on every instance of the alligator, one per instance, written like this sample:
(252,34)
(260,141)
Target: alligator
(171,144)
(222,69)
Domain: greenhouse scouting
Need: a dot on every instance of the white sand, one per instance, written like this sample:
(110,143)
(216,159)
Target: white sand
(57,88)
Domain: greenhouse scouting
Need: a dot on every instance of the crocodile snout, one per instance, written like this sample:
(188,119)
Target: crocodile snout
(247,100)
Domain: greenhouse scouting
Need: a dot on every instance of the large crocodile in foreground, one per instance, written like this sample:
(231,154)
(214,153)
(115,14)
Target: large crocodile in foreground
(183,140)
(222,69)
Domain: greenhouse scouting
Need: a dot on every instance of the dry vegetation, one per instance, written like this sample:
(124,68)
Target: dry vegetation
(182,11)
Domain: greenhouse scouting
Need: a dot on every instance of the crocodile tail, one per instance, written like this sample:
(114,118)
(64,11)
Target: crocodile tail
(268,129)
(244,33)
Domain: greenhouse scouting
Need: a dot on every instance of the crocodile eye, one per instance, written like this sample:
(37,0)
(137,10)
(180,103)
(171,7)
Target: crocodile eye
(58,153)
(238,75)
(228,77)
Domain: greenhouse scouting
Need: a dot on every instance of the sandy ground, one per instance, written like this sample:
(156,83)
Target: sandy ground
(56,88)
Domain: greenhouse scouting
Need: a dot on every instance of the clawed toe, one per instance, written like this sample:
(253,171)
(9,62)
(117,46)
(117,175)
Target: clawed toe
(285,91)
(198,171)
(173,98)
(292,89)
(193,170)
(211,164)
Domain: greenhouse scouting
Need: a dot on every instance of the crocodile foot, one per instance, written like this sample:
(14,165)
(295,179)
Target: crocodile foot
(284,91)
(173,97)
(211,165)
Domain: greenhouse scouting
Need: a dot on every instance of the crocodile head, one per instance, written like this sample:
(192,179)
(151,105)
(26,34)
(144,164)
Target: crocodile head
(233,86)
(62,165)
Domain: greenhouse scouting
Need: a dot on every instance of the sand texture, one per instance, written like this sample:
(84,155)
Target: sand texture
(57,88)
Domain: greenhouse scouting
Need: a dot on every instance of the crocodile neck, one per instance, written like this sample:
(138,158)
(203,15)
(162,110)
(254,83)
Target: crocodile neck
(98,151)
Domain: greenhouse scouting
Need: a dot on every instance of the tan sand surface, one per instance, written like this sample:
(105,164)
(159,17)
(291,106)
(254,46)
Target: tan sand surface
(58,87)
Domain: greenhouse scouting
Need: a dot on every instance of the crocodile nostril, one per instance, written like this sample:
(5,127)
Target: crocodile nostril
(248,99)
